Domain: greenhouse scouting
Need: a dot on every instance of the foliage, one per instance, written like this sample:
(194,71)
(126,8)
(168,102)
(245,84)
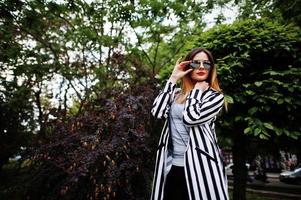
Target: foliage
(277,10)
(258,70)
(100,154)
(63,53)
(54,53)
(258,65)
(60,56)
(14,115)
(76,43)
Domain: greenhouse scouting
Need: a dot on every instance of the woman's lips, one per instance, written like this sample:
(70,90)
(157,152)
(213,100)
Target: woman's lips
(201,73)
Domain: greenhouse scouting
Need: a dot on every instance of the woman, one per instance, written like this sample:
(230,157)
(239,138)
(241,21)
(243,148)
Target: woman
(189,164)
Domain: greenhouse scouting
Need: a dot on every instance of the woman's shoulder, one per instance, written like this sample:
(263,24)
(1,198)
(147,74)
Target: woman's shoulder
(215,91)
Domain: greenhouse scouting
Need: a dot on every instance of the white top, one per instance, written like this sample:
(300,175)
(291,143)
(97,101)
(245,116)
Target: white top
(179,134)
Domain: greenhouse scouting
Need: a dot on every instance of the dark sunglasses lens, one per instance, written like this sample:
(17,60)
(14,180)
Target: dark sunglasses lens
(207,65)
(194,65)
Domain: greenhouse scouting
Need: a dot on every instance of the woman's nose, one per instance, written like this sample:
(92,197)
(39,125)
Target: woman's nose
(201,66)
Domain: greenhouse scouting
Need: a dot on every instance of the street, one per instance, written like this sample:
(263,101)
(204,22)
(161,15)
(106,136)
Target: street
(273,188)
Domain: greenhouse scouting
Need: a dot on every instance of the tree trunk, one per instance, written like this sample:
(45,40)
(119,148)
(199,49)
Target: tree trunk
(239,168)
(40,116)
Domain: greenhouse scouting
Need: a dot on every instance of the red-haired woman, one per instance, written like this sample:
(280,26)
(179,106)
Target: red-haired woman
(189,164)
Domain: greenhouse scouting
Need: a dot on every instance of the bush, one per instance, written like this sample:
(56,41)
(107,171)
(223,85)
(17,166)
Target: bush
(102,153)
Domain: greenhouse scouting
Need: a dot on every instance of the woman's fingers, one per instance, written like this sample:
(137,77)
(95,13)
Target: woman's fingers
(179,69)
(178,61)
(183,64)
(187,71)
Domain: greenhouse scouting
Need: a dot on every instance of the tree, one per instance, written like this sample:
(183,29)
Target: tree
(258,70)
(65,53)
(79,40)
(14,118)
(283,11)
(257,63)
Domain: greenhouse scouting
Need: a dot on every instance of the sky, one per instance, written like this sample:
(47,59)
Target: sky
(230,13)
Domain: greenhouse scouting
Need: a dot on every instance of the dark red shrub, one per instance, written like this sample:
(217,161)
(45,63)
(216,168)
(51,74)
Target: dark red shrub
(103,153)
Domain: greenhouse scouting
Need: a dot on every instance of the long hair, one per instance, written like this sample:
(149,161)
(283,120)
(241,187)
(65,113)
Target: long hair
(186,82)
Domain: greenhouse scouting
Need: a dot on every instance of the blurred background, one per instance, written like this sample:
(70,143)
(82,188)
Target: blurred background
(78,79)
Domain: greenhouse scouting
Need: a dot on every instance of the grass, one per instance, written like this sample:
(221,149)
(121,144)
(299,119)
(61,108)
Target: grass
(253,196)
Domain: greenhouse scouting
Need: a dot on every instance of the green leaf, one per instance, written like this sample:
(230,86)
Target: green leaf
(273,73)
(257,131)
(267,108)
(229,99)
(288,99)
(286,132)
(280,101)
(249,92)
(238,118)
(247,130)
(252,110)
(278,132)
(268,125)
(258,83)
(295,137)
(263,137)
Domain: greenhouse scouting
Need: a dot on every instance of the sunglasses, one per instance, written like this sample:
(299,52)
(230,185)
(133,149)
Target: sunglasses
(197,63)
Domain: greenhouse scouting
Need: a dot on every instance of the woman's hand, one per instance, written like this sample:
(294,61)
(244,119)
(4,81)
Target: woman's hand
(178,71)
(203,85)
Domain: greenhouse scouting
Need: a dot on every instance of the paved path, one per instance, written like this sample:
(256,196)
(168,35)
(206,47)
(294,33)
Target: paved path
(273,188)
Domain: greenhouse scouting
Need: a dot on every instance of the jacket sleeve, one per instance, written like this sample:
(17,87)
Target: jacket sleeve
(162,102)
(200,111)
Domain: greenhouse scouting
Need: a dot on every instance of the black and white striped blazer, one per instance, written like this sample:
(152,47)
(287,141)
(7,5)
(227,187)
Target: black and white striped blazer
(204,168)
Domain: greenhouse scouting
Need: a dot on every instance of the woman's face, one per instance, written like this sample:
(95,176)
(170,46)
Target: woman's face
(200,74)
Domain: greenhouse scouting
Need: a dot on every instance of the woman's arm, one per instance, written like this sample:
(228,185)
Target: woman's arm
(162,102)
(199,111)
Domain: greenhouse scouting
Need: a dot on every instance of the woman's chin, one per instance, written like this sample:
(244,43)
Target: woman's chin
(199,79)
